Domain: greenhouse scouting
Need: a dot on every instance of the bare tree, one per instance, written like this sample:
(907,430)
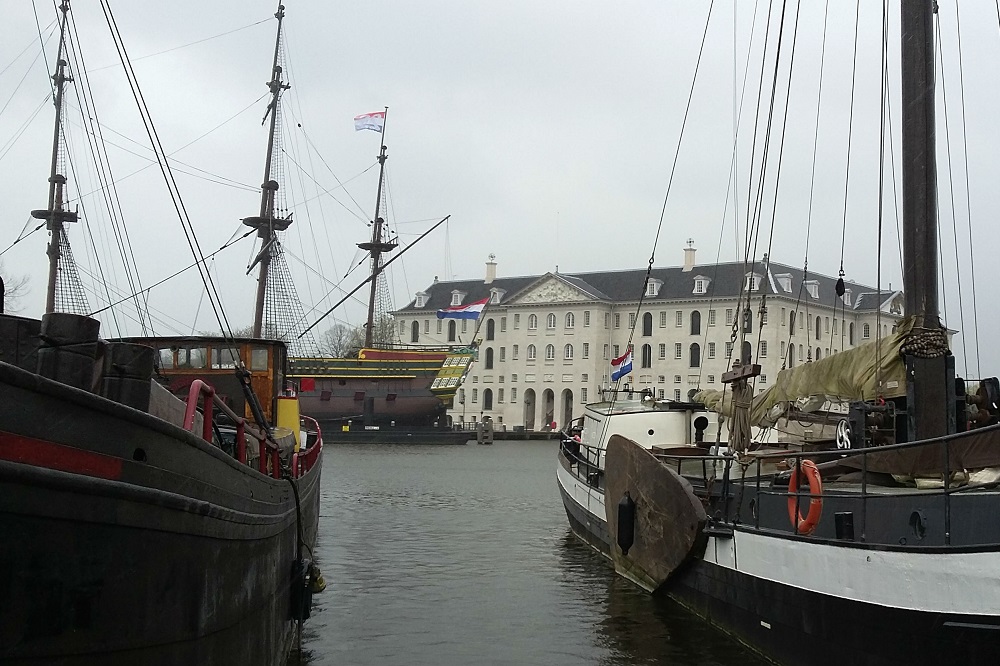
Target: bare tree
(342,341)
(14,288)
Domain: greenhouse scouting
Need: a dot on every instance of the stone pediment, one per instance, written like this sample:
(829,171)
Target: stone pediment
(550,290)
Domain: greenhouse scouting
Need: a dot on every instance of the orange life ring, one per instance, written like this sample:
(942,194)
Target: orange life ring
(808,524)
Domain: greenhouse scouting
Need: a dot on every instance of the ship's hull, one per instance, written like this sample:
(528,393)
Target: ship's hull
(128,540)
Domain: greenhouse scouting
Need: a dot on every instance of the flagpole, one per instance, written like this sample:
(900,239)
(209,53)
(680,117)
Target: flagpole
(376,247)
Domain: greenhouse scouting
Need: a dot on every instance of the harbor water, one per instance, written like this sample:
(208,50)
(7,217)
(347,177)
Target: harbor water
(445,555)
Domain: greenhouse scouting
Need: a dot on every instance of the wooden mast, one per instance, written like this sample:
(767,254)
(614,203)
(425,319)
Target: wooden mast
(932,384)
(266,223)
(54,215)
(376,247)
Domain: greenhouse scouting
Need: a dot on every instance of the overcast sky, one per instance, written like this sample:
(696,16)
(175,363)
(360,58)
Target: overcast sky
(546,130)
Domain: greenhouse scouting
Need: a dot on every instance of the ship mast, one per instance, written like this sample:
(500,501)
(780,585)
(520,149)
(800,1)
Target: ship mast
(266,223)
(54,215)
(377,246)
(931,376)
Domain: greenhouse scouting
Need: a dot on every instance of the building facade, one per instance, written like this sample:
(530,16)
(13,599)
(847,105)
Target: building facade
(546,341)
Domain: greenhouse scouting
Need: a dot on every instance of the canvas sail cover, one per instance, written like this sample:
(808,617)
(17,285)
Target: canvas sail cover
(853,374)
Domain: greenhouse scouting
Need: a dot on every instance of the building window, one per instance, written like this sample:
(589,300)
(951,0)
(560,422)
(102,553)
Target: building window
(729,316)
(415,331)
(456,297)
(677,395)
(440,324)
(826,325)
(500,396)
(491,329)
(631,320)
(503,354)
(583,396)
(762,349)
(517,321)
(550,321)
(819,334)
(660,394)
(711,350)
(695,323)
(475,395)
(763,379)
(677,379)
(465,326)
(663,319)
(647,356)
(586,317)
(866,331)
(677,350)
(661,379)
(532,322)
(618,320)
(782,350)
(531,352)
(711,379)
(850,335)
(699,286)
(461,396)
(647,324)
(729,350)
(487,399)
(663,351)
(679,318)
(503,324)
(791,322)
(513,379)
(711,317)
(617,350)
(586,350)
(584,378)
(489,358)
(695,353)
(550,352)
(427,326)
(513,395)
(747,320)
(452,327)
(607,320)
(513,352)
(570,320)
(568,352)
(607,354)
(763,317)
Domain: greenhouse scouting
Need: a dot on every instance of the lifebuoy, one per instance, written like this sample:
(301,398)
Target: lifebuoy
(807,524)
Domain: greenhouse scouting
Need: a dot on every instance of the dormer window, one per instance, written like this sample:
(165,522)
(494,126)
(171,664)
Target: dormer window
(457,296)
(653,287)
(896,307)
(421,300)
(784,281)
(752,282)
(701,284)
(496,295)
(812,286)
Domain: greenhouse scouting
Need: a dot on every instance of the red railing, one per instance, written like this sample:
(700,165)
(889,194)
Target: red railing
(302,461)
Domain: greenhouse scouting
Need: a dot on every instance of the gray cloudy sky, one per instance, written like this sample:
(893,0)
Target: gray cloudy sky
(547,130)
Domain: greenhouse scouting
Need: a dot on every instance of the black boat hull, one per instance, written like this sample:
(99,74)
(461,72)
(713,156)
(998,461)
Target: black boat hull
(129,540)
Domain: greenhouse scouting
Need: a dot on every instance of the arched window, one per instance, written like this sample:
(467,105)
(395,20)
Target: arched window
(647,356)
(647,324)
(866,331)
(489,358)
(570,320)
(850,335)
(568,352)
(532,322)
(451,330)
(550,321)
(747,352)
(819,354)
(695,323)
(791,322)
(490,329)
(791,356)
(550,352)
(487,399)
(531,352)
(691,394)
(818,321)
(415,331)
(695,353)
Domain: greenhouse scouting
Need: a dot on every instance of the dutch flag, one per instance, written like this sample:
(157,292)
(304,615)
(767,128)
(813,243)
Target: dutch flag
(470,311)
(621,366)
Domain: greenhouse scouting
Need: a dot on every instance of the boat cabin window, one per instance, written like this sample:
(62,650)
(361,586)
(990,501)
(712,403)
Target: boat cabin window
(193,357)
(224,358)
(258,358)
(166,358)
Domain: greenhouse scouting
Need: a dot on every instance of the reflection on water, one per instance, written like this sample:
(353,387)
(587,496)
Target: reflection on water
(462,555)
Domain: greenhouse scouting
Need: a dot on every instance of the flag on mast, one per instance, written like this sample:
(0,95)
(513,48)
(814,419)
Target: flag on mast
(370,121)
(470,311)
(621,366)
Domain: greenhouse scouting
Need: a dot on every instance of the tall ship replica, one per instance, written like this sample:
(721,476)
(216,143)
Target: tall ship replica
(383,394)
(143,527)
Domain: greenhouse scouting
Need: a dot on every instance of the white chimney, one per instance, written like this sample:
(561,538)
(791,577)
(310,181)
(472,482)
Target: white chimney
(491,270)
(689,256)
